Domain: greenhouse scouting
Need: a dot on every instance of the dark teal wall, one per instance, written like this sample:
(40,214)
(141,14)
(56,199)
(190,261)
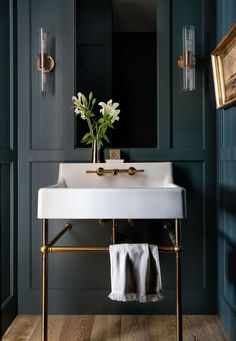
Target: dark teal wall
(185,135)
(8,166)
(227,193)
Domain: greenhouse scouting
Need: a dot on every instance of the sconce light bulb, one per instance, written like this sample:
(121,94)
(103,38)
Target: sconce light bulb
(43,54)
(189,58)
(45,62)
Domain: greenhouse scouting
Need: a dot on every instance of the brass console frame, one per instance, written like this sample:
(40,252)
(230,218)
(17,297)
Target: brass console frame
(48,246)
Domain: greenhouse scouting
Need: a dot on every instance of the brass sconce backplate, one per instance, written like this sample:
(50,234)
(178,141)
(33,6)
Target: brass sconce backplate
(48,63)
(191,61)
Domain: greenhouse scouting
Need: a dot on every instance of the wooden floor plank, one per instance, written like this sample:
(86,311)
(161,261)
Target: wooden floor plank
(215,328)
(99,328)
(195,324)
(162,327)
(77,328)
(116,328)
(113,328)
(56,324)
(135,328)
(22,328)
(106,328)
(187,332)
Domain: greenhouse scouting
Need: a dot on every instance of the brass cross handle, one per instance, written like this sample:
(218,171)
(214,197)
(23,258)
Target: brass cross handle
(101,171)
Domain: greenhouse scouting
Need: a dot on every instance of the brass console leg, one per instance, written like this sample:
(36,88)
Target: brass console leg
(44,319)
(179,323)
(114,230)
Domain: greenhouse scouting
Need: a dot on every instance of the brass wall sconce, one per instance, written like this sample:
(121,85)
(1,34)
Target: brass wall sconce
(45,63)
(187,61)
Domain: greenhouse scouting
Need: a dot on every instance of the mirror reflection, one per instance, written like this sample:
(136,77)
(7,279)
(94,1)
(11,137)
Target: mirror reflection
(116,58)
(134,72)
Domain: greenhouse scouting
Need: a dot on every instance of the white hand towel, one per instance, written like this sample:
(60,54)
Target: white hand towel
(135,273)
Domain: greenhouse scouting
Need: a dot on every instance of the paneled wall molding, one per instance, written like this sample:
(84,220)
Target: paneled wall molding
(228,302)
(8,164)
(226,149)
(133,154)
(227,153)
(227,226)
(186,136)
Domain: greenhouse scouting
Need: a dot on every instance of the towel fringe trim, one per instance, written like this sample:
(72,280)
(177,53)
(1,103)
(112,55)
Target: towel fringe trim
(135,297)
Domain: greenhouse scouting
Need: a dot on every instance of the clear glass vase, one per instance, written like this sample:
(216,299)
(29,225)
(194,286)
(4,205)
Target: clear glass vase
(96,152)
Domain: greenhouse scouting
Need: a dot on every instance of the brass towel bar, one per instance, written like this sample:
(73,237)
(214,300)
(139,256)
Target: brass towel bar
(46,249)
(115,171)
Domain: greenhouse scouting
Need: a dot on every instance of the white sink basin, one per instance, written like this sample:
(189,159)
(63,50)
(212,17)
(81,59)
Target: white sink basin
(150,194)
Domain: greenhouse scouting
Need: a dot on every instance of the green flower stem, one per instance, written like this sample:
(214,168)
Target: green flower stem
(91,128)
(98,130)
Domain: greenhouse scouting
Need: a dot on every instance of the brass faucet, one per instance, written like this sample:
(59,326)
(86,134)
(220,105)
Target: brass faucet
(101,171)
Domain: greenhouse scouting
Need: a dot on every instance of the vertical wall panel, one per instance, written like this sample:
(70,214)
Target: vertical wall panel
(45,129)
(226,193)
(188,119)
(228,128)
(5,75)
(47,112)
(6,237)
(227,245)
(191,176)
(41,174)
(8,167)
(228,232)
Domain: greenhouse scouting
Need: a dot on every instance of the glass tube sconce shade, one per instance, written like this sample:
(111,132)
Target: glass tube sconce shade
(187,61)
(45,62)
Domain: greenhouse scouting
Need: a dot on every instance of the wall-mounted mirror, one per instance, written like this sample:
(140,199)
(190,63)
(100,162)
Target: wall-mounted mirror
(116,58)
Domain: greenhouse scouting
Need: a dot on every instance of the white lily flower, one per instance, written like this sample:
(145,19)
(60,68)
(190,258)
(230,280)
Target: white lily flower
(110,109)
(81,113)
(78,101)
(98,126)
(115,116)
(79,94)
(80,106)
(83,116)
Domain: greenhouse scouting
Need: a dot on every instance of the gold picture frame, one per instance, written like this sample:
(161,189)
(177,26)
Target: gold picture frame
(223,60)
